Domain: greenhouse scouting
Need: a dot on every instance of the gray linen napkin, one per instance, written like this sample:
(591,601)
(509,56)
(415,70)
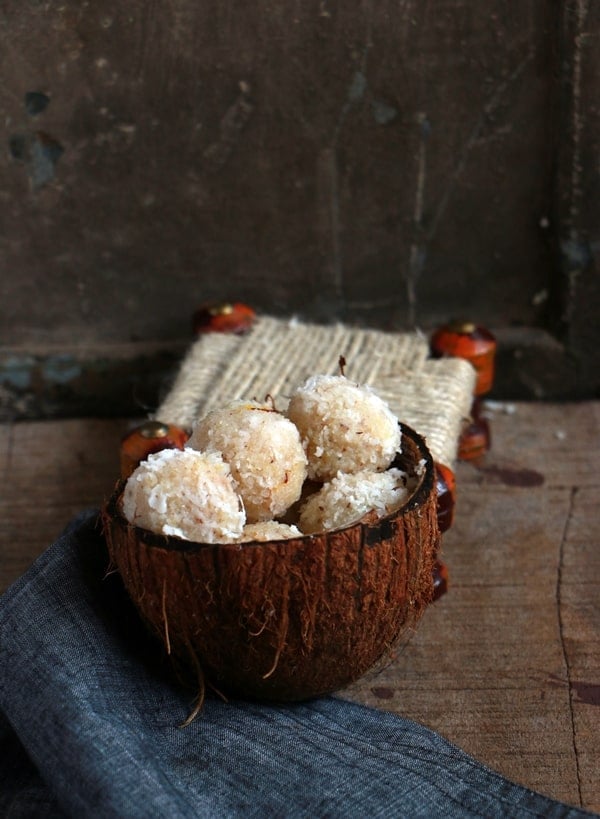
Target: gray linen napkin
(91,716)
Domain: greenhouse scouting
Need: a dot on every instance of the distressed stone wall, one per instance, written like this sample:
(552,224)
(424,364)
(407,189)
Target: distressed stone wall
(392,164)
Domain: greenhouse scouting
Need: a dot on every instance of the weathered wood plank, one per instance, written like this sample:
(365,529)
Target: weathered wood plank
(486,669)
(360,161)
(50,471)
(576,205)
(507,664)
(558,444)
(333,158)
(580,631)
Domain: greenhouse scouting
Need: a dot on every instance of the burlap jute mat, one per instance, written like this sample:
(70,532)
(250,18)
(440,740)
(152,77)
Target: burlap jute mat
(432,396)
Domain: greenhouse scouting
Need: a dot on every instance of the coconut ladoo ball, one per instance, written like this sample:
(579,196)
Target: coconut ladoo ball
(269,530)
(264,452)
(344,427)
(185,493)
(346,498)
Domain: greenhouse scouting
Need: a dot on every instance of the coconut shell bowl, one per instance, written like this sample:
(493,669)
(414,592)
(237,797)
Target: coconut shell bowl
(288,619)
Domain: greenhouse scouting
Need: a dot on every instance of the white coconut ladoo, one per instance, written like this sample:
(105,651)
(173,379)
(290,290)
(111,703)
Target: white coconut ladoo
(187,494)
(347,498)
(264,452)
(344,427)
(268,530)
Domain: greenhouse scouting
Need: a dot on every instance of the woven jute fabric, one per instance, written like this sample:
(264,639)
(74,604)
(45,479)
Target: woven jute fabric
(432,396)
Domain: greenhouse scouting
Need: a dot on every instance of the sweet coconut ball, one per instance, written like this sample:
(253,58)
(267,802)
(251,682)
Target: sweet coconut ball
(344,427)
(264,452)
(346,498)
(185,493)
(269,530)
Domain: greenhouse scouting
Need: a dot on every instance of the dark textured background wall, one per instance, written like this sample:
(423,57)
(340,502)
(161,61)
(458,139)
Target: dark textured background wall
(389,163)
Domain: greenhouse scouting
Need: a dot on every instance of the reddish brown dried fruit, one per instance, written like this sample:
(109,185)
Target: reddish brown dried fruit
(149,437)
(223,317)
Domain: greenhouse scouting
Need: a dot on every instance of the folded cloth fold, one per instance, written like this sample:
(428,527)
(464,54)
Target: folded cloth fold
(91,725)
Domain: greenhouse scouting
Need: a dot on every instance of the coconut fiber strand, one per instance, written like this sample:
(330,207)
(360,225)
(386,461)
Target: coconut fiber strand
(90,726)
(432,396)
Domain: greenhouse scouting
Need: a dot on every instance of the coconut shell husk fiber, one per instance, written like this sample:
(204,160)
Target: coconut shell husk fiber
(293,619)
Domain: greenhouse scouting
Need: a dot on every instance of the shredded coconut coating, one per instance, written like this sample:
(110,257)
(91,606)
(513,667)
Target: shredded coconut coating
(264,452)
(187,494)
(344,427)
(269,530)
(346,498)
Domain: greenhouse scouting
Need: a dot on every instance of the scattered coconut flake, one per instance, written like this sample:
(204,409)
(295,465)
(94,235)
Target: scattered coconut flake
(499,406)
(420,467)
(269,530)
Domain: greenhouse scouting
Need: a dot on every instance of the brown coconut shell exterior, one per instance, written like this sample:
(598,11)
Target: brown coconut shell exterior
(290,619)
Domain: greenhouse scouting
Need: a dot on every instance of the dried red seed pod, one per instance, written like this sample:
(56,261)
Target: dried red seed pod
(445,484)
(149,437)
(464,339)
(476,438)
(223,317)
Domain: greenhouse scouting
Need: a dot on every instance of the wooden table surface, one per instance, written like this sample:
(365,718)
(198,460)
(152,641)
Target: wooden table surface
(507,664)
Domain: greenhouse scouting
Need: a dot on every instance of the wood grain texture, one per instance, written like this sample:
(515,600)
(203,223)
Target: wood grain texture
(50,470)
(507,664)
(389,164)
(577,186)
(328,157)
(498,665)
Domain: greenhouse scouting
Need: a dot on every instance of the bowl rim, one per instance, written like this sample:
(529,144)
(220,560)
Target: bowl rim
(369,521)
